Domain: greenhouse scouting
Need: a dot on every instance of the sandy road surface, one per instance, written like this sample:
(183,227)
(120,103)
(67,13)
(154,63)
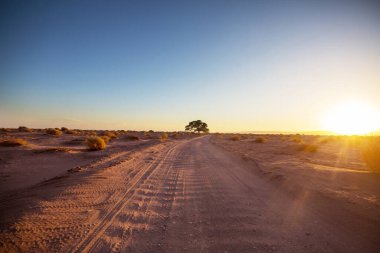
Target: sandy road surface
(184,196)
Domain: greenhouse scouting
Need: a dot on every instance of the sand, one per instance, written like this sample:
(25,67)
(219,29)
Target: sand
(190,194)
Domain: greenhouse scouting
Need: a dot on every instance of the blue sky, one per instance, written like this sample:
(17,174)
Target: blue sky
(238,65)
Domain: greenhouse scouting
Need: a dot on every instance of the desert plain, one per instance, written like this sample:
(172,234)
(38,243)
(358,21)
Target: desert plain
(187,192)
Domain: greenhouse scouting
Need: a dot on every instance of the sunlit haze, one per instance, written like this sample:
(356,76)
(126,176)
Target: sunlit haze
(237,65)
(352,118)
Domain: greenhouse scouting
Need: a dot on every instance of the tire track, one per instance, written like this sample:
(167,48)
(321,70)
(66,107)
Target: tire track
(123,244)
(92,237)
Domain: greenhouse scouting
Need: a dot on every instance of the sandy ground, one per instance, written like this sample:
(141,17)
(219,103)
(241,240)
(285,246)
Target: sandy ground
(206,194)
(46,156)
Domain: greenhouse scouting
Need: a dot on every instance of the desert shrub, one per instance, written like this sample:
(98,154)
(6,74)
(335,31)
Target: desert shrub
(163,136)
(24,129)
(150,131)
(307,147)
(296,139)
(4,129)
(68,131)
(235,138)
(54,131)
(132,138)
(105,138)
(64,129)
(95,143)
(111,135)
(259,140)
(175,136)
(324,140)
(371,154)
(13,143)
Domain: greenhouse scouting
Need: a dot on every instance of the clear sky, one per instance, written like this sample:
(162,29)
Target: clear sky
(237,65)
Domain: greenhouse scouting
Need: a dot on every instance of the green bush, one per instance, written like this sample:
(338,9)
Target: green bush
(95,143)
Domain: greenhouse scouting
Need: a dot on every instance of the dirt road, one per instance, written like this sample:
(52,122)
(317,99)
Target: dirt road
(184,196)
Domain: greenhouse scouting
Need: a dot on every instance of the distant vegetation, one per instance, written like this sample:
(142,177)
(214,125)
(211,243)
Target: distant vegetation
(68,131)
(296,139)
(54,131)
(132,138)
(163,137)
(197,126)
(175,136)
(95,143)
(24,129)
(109,134)
(307,147)
(235,138)
(259,140)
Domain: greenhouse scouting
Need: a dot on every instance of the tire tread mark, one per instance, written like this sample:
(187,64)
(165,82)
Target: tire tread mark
(86,244)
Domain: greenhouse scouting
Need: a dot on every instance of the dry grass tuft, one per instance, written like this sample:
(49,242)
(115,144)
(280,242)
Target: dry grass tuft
(54,131)
(24,129)
(296,139)
(105,138)
(259,140)
(371,154)
(68,131)
(307,147)
(13,143)
(176,135)
(111,135)
(235,138)
(95,143)
(132,138)
(163,137)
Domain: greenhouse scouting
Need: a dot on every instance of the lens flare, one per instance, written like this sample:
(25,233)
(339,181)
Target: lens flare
(354,118)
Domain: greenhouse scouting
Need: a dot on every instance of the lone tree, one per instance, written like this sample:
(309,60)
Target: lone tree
(197,126)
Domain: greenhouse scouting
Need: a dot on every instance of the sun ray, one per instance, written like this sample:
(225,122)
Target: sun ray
(354,118)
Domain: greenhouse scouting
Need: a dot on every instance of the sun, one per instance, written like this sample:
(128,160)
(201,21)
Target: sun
(353,118)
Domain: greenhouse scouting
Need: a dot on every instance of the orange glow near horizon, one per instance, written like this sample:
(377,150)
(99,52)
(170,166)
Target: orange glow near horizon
(353,118)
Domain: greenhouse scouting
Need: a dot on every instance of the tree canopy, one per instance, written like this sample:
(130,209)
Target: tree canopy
(197,126)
